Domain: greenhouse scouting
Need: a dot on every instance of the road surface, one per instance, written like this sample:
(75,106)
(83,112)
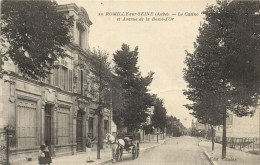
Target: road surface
(183,150)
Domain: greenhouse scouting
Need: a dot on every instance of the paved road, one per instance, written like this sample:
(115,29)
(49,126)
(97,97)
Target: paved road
(179,151)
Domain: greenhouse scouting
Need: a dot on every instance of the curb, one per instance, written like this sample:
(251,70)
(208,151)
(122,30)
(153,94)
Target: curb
(108,161)
(209,158)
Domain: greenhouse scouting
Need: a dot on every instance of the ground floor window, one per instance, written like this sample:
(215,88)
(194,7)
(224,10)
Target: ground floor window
(26,123)
(63,126)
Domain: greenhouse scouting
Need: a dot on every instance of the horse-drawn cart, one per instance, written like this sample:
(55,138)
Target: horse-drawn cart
(128,144)
(131,146)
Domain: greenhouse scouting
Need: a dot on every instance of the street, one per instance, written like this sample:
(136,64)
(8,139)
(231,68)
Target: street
(179,150)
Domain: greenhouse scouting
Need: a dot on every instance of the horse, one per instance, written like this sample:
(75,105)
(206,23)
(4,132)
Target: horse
(116,145)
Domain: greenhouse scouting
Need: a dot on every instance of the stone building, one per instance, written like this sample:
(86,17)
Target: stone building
(58,111)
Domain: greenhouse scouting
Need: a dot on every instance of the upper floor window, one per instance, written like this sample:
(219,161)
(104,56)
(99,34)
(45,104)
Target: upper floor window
(62,77)
(80,82)
(81,35)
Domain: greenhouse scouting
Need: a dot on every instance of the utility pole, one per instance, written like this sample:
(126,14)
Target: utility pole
(99,132)
(157,134)
(224,136)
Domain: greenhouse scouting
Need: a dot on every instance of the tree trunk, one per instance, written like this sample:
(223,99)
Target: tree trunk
(99,111)
(99,137)
(224,136)
(212,137)
(143,134)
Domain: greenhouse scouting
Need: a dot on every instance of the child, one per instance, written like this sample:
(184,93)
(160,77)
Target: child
(44,156)
(48,160)
(41,156)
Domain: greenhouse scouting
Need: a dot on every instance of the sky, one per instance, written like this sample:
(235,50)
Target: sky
(161,44)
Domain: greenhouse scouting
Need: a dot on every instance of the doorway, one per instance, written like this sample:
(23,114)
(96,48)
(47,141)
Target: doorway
(79,135)
(47,126)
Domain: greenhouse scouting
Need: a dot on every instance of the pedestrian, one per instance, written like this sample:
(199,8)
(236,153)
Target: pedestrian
(48,159)
(88,148)
(41,155)
(44,156)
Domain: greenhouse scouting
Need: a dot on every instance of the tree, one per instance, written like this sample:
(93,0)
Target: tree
(206,111)
(35,34)
(225,61)
(102,77)
(159,114)
(135,92)
(169,124)
(118,102)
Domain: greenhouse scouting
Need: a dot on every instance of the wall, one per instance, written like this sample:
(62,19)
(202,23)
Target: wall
(242,127)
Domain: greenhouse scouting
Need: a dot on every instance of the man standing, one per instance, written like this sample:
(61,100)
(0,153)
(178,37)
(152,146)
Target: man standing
(88,148)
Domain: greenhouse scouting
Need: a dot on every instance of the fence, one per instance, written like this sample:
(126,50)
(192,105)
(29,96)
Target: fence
(3,148)
(153,137)
(7,141)
(243,144)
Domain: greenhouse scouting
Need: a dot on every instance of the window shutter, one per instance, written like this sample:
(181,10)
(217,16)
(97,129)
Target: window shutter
(82,82)
(79,82)
(70,80)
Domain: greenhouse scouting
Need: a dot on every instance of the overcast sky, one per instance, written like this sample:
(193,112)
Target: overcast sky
(162,44)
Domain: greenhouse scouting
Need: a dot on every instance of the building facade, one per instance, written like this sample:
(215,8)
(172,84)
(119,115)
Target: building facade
(241,127)
(58,111)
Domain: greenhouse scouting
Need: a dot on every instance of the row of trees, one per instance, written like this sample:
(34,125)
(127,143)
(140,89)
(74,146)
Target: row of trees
(223,71)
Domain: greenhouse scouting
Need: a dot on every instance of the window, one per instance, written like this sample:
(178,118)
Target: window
(80,86)
(26,123)
(70,80)
(81,83)
(80,33)
(64,78)
(56,77)
(63,126)
(80,38)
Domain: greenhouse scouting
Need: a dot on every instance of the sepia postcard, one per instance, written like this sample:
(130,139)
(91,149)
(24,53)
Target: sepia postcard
(147,82)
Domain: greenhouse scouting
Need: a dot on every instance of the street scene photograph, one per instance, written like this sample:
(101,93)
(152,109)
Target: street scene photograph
(149,82)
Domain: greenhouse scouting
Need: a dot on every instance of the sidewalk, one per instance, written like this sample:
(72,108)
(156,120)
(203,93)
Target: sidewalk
(234,157)
(106,156)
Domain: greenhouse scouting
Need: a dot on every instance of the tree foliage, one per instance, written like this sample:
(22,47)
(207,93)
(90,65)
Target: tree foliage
(223,71)
(36,33)
(134,88)
(159,114)
(101,76)
(118,102)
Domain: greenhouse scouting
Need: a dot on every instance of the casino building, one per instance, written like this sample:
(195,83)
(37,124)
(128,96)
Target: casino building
(58,111)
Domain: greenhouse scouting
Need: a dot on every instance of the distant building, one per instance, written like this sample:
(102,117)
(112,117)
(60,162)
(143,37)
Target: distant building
(149,117)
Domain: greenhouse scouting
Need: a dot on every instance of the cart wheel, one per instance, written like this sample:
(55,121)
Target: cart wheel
(133,153)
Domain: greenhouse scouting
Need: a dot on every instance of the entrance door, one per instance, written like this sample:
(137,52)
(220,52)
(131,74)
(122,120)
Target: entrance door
(47,125)
(79,127)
